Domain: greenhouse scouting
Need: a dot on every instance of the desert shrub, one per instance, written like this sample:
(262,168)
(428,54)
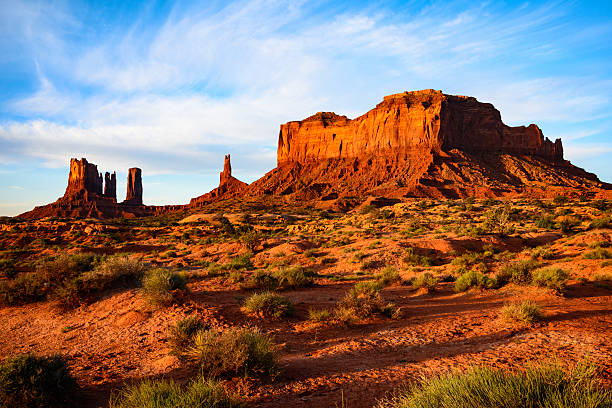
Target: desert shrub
(312,253)
(388,276)
(544,385)
(471,258)
(600,223)
(269,304)
(158,284)
(560,199)
(425,280)
(200,393)
(235,351)
(472,279)
(567,225)
(525,312)
(108,273)
(261,280)
(294,277)
(518,272)
(183,332)
(251,240)
(597,253)
(30,381)
(545,222)
(29,287)
(370,264)
(359,256)
(318,315)
(412,258)
(362,301)
(7,268)
(241,262)
(543,252)
(498,220)
(600,205)
(552,278)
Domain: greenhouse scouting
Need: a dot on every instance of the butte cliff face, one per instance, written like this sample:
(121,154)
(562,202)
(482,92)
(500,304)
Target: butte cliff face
(408,123)
(422,143)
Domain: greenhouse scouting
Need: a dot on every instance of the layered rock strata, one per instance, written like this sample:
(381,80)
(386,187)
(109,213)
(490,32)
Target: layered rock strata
(422,143)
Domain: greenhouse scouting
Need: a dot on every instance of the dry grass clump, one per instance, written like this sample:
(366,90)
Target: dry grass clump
(363,301)
(425,281)
(472,279)
(544,385)
(236,351)
(552,278)
(318,315)
(183,332)
(269,304)
(200,393)
(158,285)
(525,312)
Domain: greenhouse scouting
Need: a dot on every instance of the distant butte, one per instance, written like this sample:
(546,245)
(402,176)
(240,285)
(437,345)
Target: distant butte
(412,144)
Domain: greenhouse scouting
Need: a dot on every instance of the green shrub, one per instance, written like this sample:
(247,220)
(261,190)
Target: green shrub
(412,258)
(251,240)
(498,220)
(542,252)
(320,315)
(236,351)
(269,304)
(7,268)
(30,381)
(425,280)
(525,312)
(388,276)
(200,393)
(158,284)
(552,278)
(108,273)
(597,253)
(546,222)
(518,272)
(601,223)
(600,205)
(261,280)
(294,277)
(183,332)
(361,302)
(28,287)
(559,200)
(472,279)
(567,224)
(545,385)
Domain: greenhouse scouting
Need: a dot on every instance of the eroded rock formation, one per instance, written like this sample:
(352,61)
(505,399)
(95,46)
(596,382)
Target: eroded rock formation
(134,187)
(110,185)
(422,143)
(229,186)
(90,195)
(421,121)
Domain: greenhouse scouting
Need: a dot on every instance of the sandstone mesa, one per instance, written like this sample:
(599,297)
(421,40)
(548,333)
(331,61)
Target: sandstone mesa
(412,144)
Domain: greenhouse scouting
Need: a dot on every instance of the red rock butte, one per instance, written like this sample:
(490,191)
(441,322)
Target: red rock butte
(412,144)
(420,144)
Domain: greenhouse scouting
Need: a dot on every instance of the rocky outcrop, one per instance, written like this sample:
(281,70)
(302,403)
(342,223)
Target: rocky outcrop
(421,121)
(229,186)
(134,187)
(422,143)
(89,195)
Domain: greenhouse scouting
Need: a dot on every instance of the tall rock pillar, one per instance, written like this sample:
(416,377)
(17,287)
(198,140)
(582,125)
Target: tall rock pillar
(226,174)
(134,187)
(110,185)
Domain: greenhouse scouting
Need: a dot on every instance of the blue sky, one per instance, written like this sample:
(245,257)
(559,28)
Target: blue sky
(172,86)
